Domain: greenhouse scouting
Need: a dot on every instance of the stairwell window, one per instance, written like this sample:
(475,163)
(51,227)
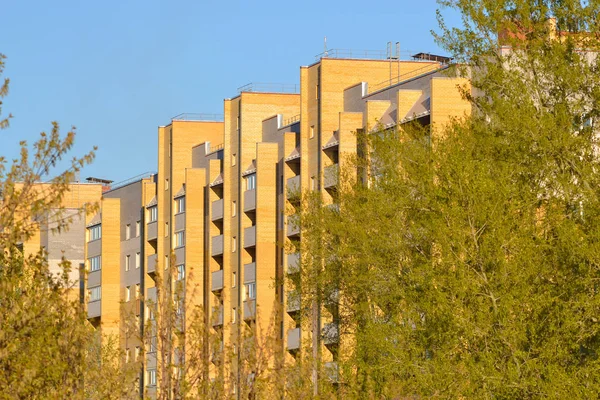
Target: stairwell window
(251,182)
(179,239)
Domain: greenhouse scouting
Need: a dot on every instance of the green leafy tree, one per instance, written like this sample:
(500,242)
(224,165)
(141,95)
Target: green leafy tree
(466,265)
(47,348)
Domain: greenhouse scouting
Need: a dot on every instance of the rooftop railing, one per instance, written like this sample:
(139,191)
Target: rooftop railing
(198,117)
(269,87)
(291,120)
(409,75)
(132,180)
(367,54)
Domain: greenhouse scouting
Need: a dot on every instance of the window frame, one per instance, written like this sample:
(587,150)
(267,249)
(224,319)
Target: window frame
(179,239)
(98,263)
(95,232)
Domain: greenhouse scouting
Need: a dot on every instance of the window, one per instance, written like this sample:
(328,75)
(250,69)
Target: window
(179,205)
(95,232)
(312,131)
(94,293)
(137,229)
(128,293)
(233,208)
(233,315)
(180,272)
(127,262)
(95,264)
(167,184)
(179,239)
(251,291)
(128,355)
(233,279)
(151,377)
(313,183)
(137,353)
(233,244)
(137,259)
(128,232)
(153,214)
(167,229)
(137,291)
(233,159)
(251,182)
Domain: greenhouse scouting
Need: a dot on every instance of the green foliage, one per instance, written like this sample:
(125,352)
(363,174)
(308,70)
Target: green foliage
(467,264)
(47,348)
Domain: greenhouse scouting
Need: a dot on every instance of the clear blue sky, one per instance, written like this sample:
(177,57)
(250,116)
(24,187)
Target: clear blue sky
(118,69)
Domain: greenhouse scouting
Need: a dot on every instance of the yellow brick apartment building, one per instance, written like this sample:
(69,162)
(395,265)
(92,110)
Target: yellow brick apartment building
(211,230)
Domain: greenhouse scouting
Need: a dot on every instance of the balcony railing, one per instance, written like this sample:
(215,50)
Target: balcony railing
(217,317)
(152,230)
(331,175)
(216,281)
(293,263)
(217,210)
(293,302)
(151,261)
(293,339)
(293,226)
(250,236)
(331,334)
(249,309)
(217,245)
(250,200)
(249,273)
(293,188)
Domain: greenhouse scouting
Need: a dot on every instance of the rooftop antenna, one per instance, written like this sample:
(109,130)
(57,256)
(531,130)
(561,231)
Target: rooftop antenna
(325,46)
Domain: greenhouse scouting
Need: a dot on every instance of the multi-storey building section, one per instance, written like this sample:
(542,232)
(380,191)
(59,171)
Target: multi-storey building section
(115,254)
(223,218)
(67,243)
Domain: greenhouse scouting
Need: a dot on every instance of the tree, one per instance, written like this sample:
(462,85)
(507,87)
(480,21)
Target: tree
(47,348)
(466,265)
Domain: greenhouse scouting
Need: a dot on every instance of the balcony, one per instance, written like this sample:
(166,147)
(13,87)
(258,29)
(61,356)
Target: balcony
(217,316)
(331,334)
(94,248)
(179,221)
(250,200)
(217,210)
(250,236)
(152,231)
(293,188)
(249,273)
(331,371)
(331,176)
(151,261)
(293,263)
(293,339)
(249,310)
(94,278)
(217,245)
(293,302)
(293,225)
(94,309)
(216,282)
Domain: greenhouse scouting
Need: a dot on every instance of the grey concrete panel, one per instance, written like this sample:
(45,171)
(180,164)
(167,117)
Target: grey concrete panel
(94,278)
(179,221)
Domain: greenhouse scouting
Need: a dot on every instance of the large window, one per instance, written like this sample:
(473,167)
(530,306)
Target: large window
(180,239)
(95,232)
(251,291)
(151,377)
(95,263)
(94,293)
(180,272)
(153,214)
(251,182)
(179,205)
